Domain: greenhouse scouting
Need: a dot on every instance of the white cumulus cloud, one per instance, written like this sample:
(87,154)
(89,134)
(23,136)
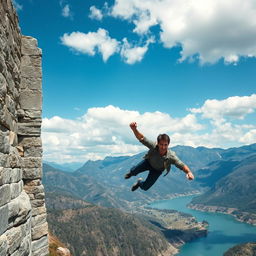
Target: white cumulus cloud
(100,41)
(92,42)
(248,137)
(207,30)
(132,54)
(66,12)
(236,107)
(95,13)
(104,131)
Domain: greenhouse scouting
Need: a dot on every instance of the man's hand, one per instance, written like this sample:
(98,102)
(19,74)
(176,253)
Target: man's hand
(190,175)
(133,126)
(137,134)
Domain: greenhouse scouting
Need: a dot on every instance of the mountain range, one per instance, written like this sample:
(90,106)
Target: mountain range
(224,177)
(66,167)
(102,182)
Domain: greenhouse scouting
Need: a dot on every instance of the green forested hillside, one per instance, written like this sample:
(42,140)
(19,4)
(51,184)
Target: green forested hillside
(92,230)
(240,153)
(248,249)
(235,190)
(209,175)
(103,231)
(86,187)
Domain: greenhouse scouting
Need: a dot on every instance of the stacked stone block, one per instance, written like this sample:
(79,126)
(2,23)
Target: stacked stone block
(29,140)
(23,225)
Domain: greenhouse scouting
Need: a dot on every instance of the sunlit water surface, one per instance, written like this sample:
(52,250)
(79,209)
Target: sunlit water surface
(224,230)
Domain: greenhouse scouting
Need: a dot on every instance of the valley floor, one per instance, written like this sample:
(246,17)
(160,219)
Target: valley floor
(178,228)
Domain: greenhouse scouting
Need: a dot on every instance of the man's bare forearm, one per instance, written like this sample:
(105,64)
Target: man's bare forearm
(188,172)
(137,134)
(186,169)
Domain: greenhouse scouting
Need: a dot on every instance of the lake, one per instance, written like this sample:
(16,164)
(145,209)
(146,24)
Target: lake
(224,230)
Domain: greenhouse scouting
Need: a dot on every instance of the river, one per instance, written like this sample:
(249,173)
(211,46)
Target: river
(224,230)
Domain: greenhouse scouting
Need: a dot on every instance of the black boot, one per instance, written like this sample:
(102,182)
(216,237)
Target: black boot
(128,175)
(136,185)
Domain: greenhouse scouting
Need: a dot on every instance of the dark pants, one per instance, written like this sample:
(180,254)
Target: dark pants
(152,176)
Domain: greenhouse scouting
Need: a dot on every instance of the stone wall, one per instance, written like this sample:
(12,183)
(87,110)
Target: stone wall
(23,225)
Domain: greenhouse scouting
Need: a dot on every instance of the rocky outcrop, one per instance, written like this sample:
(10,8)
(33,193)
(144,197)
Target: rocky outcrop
(56,247)
(63,251)
(23,226)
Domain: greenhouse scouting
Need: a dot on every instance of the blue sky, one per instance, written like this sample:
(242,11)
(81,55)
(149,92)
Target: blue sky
(181,67)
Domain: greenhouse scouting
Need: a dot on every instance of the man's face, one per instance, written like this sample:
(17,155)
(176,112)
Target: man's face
(162,146)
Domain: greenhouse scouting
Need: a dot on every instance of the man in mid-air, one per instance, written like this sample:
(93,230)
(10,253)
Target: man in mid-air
(158,158)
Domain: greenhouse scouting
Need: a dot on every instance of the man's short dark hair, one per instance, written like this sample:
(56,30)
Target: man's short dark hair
(164,137)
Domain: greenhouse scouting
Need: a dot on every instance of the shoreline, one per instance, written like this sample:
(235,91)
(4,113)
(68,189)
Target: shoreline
(175,195)
(245,217)
(240,216)
(189,230)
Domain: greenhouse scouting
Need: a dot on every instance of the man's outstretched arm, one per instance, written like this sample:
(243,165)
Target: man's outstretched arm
(189,174)
(137,134)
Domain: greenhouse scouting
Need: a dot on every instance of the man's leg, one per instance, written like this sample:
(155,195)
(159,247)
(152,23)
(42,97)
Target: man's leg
(150,180)
(140,167)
